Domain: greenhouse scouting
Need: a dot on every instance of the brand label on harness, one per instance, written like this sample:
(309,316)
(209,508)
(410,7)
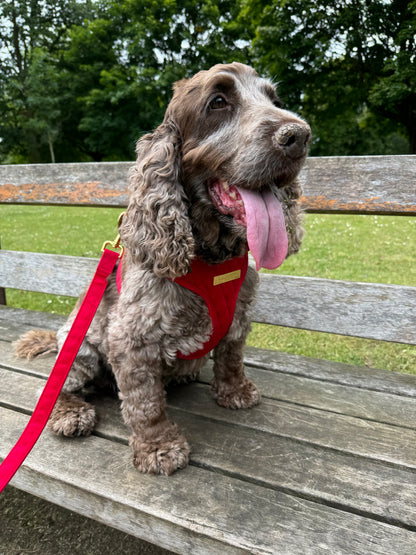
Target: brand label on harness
(223,278)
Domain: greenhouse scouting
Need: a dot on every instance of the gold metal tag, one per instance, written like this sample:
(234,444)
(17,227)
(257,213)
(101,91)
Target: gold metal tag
(223,278)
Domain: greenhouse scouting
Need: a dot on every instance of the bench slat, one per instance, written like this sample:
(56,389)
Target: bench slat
(15,321)
(358,435)
(266,457)
(372,311)
(91,183)
(225,513)
(367,310)
(332,397)
(360,184)
(46,273)
(353,184)
(361,377)
(316,393)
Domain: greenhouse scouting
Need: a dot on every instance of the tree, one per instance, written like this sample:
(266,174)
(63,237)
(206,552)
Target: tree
(83,80)
(337,62)
(123,63)
(32,34)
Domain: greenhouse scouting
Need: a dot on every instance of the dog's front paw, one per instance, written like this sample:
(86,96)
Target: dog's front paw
(72,416)
(162,455)
(243,396)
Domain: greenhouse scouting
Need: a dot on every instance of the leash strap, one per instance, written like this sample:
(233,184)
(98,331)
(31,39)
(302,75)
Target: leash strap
(60,370)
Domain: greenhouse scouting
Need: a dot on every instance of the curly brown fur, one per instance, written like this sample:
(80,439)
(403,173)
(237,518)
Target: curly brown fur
(35,343)
(222,126)
(72,416)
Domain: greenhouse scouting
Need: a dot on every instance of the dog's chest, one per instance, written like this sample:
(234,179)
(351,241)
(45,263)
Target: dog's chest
(218,286)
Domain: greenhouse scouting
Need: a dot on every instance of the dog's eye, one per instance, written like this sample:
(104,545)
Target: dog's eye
(218,103)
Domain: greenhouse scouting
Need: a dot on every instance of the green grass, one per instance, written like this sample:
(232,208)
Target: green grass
(359,248)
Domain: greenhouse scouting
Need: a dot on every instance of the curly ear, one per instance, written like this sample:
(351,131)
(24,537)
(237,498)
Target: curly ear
(156,228)
(289,197)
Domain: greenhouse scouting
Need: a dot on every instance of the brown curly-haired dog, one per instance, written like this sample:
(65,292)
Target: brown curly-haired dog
(218,173)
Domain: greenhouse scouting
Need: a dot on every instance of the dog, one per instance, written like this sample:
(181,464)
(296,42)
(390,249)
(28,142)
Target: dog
(217,178)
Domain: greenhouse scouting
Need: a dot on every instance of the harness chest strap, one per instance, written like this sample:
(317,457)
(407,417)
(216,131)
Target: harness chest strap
(219,286)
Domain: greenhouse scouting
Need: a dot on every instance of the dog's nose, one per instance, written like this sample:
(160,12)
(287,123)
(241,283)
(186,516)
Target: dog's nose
(294,138)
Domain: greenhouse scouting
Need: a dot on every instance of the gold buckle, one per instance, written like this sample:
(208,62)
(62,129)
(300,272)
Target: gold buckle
(116,244)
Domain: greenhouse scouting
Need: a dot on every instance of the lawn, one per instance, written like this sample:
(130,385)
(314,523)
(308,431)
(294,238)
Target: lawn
(360,248)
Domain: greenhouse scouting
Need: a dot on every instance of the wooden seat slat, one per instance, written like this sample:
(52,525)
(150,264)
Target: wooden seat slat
(299,467)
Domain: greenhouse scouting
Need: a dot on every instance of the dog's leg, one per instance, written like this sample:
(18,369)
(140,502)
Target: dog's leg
(72,416)
(230,386)
(158,446)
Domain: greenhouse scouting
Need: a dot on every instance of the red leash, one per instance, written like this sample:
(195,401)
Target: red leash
(62,366)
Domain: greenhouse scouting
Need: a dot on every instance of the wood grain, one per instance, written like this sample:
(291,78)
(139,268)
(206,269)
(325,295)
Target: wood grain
(265,457)
(94,476)
(317,465)
(368,310)
(353,184)
(359,402)
(371,379)
(360,184)
(46,273)
(372,311)
(94,183)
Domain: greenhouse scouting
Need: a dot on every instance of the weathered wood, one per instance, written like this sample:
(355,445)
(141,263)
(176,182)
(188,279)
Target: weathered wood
(353,184)
(11,317)
(14,322)
(46,273)
(372,311)
(365,438)
(326,462)
(264,458)
(222,517)
(368,310)
(93,184)
(360,184)
(308,391)
(386,408)
(361,377)
(320,394)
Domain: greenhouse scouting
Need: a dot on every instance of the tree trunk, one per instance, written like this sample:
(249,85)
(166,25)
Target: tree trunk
(51,150)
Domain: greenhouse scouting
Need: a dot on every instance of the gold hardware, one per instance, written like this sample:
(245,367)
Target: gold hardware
(116,244)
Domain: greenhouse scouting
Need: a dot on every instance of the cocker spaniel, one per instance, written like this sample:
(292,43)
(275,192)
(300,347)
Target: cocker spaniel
(217,178)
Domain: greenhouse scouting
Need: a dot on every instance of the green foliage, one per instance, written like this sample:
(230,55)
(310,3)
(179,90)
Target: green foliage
(32,35)
(83,79)
(342,65)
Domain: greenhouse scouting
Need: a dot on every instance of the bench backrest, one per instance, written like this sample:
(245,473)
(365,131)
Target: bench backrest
(353,185)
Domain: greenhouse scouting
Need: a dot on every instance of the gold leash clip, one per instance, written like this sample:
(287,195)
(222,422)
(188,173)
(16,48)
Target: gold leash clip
(116,244)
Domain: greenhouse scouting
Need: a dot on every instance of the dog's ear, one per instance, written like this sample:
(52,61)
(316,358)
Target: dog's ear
(289,196)
(156,228)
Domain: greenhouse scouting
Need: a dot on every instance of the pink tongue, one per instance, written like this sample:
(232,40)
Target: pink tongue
(266,230)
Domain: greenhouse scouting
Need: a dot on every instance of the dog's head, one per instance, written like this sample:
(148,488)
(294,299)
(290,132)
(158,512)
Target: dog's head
(208,177)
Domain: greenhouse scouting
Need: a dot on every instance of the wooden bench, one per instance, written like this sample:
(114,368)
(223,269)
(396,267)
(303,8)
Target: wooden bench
(326,463)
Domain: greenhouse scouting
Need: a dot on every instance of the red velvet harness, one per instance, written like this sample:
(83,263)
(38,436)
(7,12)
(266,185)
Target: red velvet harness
(219,286)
